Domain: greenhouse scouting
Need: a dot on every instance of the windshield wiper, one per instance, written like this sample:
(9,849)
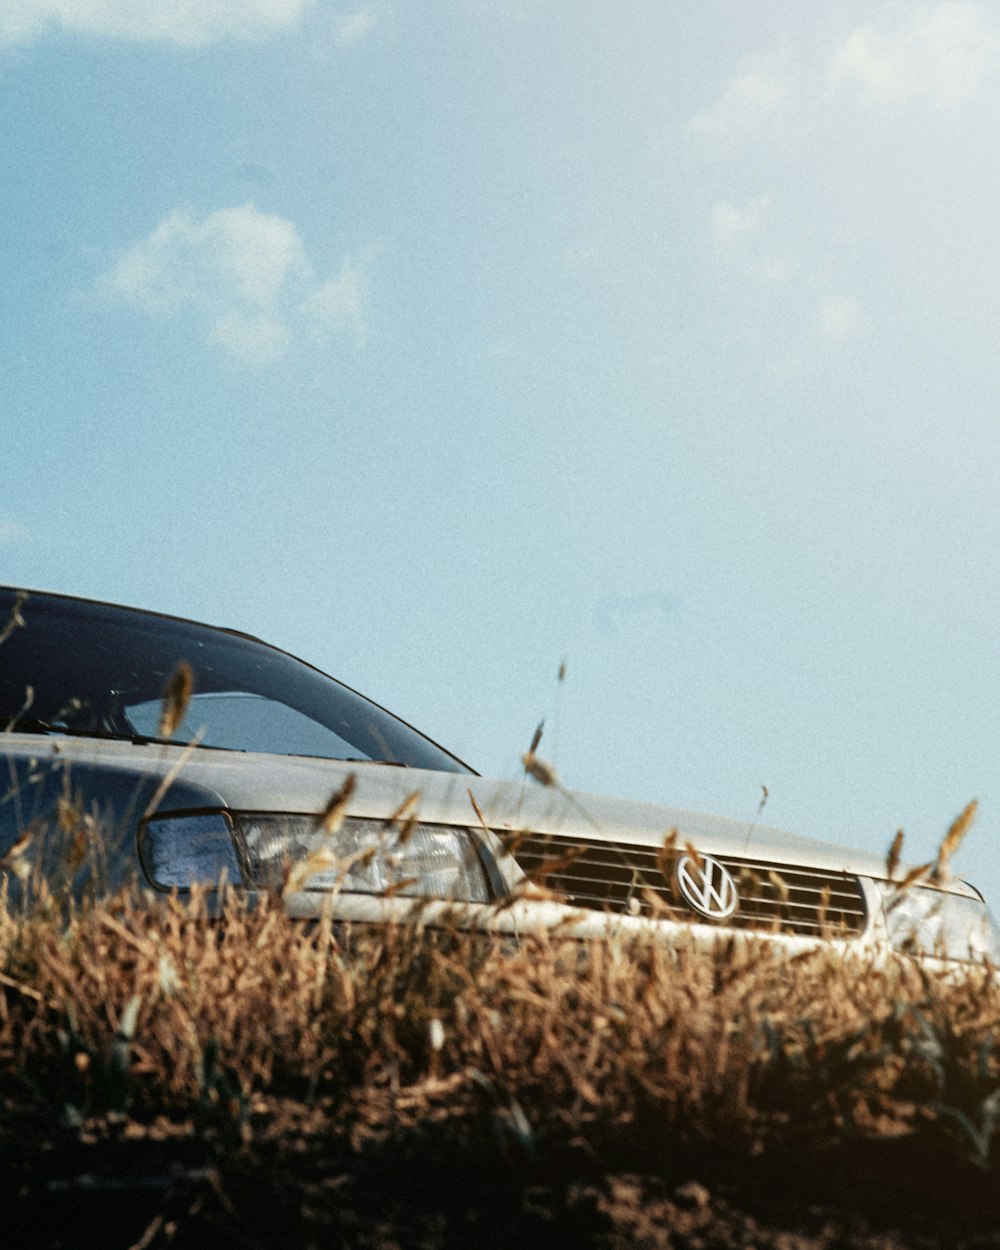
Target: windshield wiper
(32,725)
(29,725)
(358,759)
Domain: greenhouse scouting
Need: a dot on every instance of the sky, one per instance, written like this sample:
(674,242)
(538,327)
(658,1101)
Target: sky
(452,344)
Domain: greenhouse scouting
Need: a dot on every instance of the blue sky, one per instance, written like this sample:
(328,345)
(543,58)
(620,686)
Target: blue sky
(442,343)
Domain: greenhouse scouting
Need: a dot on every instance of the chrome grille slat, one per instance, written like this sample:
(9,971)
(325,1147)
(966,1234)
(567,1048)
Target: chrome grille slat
(802,896)
(616,872)
(609,875)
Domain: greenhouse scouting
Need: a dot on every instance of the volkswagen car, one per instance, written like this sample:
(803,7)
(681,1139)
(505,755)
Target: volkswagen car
(145,749)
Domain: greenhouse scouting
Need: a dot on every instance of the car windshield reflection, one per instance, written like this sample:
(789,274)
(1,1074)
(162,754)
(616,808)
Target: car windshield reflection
(77,667)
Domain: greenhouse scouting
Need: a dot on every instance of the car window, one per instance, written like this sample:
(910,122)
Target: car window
(244,722)
(79,667)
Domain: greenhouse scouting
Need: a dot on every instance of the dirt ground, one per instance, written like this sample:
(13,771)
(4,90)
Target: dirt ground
(153,1186)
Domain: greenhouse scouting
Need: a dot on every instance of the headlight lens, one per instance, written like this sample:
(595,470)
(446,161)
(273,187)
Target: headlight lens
(195,848)
(363,857)
(925,921)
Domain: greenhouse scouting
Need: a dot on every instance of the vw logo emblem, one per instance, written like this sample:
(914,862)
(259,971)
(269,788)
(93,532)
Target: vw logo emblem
(706,886)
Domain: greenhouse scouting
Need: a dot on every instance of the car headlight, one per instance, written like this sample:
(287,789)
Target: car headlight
(189,848)
(363,857)
(268,851)
(925,921)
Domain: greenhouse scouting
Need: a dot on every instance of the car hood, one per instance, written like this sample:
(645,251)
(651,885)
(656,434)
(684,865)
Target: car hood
(296,784)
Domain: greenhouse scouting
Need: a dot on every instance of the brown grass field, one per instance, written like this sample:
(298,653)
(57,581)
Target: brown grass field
(170,1078)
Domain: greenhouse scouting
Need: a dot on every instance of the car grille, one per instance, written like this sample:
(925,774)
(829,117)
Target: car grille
(623,877)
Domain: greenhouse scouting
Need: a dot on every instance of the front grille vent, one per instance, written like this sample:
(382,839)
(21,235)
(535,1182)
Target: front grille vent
(623,877)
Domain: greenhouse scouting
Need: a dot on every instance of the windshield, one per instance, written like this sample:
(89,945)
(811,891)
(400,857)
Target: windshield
(78,667)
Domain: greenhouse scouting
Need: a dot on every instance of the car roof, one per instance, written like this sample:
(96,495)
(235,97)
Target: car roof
(30,592)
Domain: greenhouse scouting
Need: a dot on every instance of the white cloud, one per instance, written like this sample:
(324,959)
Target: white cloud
(338,303)
(838,319)
(251,337)
(245,278)
(12,532)
(353,27)
(871,128)
(758,95)
(733,224)
(739,232)
(234,254)
(189,23)
(940,53)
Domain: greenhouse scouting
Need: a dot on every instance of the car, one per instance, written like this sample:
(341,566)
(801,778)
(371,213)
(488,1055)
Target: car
(142,748)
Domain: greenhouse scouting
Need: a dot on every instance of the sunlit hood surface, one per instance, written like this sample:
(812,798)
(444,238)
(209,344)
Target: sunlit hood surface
(304,785)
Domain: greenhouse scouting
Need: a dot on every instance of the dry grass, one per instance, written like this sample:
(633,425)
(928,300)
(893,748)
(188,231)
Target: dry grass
(247,1027)
(256,1055)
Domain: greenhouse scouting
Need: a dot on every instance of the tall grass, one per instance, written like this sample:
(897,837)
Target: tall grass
(263,1081)
(173,1009)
